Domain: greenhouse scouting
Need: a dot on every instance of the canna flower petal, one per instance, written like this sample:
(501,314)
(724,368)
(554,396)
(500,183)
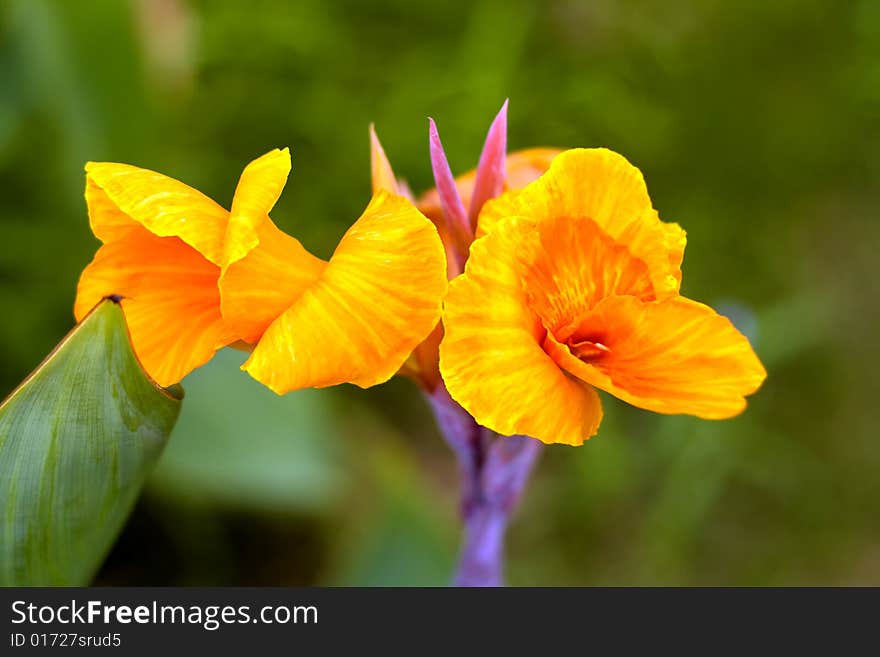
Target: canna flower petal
(169,296)
(491,357)
(376,299)
(258,190)
(670,356)
(603,186)
(259,287)
(121,197)
(264,269)
(162,254)
(572,265)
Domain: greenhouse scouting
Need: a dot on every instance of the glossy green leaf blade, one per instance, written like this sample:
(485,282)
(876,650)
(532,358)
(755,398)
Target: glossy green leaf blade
(77,439)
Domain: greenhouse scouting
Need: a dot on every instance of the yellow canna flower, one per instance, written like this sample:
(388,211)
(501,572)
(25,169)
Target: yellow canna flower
(194,277)
(573,285)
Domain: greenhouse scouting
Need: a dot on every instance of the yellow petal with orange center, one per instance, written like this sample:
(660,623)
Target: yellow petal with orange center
(121,196)
(376,299)
(670,356)
(264,269)
(170,299)
(572,265)
(601,185)
(491,356)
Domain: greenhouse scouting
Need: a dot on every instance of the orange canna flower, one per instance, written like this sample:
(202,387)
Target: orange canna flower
(194,277)
(573,285)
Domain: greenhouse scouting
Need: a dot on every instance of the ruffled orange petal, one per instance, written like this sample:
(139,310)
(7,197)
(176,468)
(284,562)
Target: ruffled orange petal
(603,186)
(107,221)
(258,190)
(377,298)
(521,168)
(170,300)
(264,269)
(259,287)
(162,205)
(670,356)
(491,356)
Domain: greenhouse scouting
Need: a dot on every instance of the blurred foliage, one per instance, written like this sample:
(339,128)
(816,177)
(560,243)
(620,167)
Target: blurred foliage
(756,126)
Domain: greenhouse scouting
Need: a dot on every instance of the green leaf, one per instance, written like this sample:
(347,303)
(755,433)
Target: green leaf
(77,440)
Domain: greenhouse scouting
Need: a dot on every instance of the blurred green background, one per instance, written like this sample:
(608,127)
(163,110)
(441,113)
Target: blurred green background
(757,125)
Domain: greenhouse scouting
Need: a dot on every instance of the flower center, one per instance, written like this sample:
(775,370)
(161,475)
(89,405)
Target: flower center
(588,350)
(588,346)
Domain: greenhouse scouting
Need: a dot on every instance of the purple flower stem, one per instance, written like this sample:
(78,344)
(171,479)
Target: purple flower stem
(494,473)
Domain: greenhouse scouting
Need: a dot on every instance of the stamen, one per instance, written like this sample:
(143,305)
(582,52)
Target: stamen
(588,350)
